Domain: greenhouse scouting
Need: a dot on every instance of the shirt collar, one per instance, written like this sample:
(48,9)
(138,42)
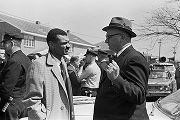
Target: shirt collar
(56,60)
(123,48)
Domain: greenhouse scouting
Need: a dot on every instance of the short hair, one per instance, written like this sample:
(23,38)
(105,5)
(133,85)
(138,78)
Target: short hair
(74,59)
(52,34)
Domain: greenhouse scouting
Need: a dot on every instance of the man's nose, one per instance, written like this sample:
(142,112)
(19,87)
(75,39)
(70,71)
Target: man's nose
(68,45)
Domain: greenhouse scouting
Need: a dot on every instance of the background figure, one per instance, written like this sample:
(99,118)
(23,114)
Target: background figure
(102,55)
(49,92)
(73,68)
(13,77)
(2,59)
(177,76)
(90,76)
(122,91)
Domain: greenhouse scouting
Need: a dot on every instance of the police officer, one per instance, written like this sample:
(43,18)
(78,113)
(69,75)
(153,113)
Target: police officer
(13,78)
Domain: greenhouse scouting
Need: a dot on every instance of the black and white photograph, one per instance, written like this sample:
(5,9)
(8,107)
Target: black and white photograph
(89,60)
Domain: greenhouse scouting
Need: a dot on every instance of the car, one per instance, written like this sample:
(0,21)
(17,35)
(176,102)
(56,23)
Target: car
(161,80)
(169,106)
(84,108)
(164,66)
(165,108)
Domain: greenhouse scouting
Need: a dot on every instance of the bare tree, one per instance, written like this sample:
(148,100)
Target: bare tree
(162,25)
(162,22)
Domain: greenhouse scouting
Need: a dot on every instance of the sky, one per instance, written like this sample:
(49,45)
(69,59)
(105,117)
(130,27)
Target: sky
(86,18)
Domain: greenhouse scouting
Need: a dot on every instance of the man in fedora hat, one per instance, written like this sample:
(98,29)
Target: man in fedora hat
(13,78)
(122,91)
(91,74)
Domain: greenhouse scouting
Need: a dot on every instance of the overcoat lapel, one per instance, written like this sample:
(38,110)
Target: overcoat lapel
(55,70)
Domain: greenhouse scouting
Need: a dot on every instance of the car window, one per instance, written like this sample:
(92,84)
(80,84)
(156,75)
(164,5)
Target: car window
(170,68)
(158,67)
(164,67)
(157,74)
(170,105)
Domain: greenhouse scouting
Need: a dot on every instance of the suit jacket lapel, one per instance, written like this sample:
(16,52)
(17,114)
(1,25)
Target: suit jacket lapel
(120,59)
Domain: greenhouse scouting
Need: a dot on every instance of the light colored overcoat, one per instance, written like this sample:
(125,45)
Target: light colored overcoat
(48,95)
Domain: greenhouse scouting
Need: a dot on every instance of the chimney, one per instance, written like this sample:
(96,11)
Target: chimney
(37,22)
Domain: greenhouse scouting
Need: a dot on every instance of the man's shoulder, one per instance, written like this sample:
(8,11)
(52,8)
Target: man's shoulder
(19,56)
(41,59)
(135,54)
(93,67)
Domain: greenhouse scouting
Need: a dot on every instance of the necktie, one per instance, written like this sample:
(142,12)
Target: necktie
(63,72)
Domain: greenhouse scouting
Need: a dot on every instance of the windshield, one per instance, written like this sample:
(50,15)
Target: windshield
(157,74)
(170,105)
(164,67)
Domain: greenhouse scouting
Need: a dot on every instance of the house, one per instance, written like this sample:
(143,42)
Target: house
(35,35)
(104,46)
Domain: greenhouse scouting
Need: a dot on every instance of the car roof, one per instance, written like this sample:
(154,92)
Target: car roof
(158,70)
(163,64)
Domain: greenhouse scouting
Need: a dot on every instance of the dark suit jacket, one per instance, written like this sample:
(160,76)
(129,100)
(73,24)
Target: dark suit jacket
(76,85)
(125,97)
(13,77)
(13,82)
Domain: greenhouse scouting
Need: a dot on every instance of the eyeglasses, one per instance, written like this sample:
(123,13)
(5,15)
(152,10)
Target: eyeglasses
(109,36)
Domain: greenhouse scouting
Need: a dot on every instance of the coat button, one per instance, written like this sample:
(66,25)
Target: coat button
(62,108)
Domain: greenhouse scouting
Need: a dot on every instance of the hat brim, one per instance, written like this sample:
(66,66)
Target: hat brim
(120,28)
(90,54)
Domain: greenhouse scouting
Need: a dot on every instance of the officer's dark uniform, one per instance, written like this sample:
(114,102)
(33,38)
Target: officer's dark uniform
(12,82)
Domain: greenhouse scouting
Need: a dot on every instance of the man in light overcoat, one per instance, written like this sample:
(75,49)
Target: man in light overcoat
(49,93)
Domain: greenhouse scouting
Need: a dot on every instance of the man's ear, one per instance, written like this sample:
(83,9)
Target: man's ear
(50,43)
(12,43)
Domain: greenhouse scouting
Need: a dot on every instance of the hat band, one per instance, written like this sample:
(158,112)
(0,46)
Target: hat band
(120,25)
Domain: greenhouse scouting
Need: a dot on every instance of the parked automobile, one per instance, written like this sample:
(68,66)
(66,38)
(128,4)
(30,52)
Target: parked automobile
(161,80)
(168,107)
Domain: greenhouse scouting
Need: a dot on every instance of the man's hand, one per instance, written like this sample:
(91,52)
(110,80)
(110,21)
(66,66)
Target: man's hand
(112,69)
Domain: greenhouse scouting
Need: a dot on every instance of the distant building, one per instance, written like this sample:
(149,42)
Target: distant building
(35,35)
(104,46)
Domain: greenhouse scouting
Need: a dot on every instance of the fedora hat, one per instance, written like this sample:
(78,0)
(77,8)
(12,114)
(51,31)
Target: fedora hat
(91,52)
(102,52)
(122,24)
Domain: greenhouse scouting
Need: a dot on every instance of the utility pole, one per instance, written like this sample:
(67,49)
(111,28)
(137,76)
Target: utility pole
(174,52)
(159,48)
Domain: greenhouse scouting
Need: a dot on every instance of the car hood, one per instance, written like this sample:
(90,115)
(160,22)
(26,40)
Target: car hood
(159,81)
